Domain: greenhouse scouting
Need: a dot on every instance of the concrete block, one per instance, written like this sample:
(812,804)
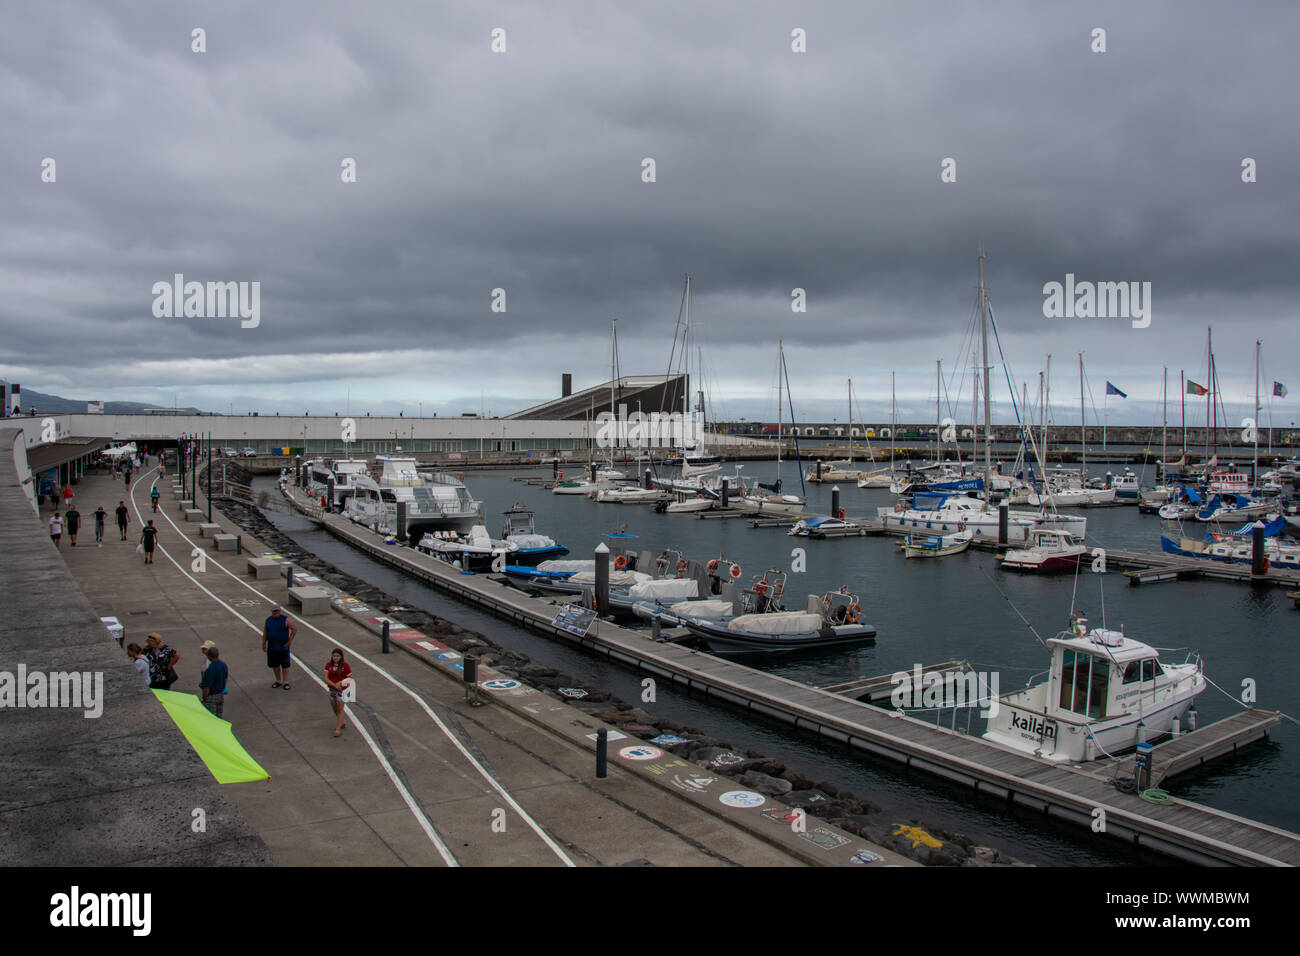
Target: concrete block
(185,505)
(223,542)
(265,569)
(195,514)
(208,529)
(311,600)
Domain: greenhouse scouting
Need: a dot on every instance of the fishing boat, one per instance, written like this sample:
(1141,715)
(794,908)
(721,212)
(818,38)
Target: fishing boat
(1105,693)
(531,548)
(1049,550)
(936,545)
(836,622)
(334,479)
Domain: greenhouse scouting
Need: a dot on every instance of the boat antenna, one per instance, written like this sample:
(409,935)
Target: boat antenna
(1013,607)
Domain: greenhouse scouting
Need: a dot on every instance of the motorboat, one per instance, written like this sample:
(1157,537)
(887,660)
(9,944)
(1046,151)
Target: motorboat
(1185,503)
(1232,507)
(936,545)
(575,487)
(336,477)
(425,502)
(685,503)
(1127,487)
(836,622)
(475,550)
(1238,547)
(531,548)
(1049,550)
(1228,483)
(1105,693)
(822,525)
(955,513)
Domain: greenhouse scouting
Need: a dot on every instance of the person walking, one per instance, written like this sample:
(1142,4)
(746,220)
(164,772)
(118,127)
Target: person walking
(139,661)
(67,496)
(213,683)
(153,497)
(73,520)
(127,474)
(336,672)
(122,517)
(162,662)
(100,515)
(147,537)
(56,528)
(277,637)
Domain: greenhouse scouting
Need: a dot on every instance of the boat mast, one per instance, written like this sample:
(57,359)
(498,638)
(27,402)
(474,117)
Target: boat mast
(1047,400)
(850,423)
(613,362)
(1042,414)
(1209,395)
(938,412)
(1164,422)
(984,342)
(1083,425)
(893,423)
(780,364)
(1254,475)
(1182,395)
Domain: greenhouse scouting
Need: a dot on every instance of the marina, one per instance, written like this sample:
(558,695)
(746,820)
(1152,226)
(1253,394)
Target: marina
(1064,792)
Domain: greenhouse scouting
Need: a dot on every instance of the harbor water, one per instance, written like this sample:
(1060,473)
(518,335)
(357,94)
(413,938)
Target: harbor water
(961,607)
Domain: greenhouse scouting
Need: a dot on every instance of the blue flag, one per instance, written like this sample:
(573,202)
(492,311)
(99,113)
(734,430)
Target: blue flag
(1279,390)
(1112,390)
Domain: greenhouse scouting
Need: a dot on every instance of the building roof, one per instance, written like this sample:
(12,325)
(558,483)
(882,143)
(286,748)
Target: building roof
(42,457)
(654,393)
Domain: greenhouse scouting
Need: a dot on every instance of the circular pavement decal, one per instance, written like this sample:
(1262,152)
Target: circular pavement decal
(641,752)
(501,684)
(742,798)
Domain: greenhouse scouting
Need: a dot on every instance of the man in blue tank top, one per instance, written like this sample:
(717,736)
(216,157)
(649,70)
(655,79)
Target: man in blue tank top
(277,636)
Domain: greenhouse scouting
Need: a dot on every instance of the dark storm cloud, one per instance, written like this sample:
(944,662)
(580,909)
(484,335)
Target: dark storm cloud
(522,171)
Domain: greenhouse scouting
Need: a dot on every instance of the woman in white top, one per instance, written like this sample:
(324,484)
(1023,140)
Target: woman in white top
(138,662)
(56,528)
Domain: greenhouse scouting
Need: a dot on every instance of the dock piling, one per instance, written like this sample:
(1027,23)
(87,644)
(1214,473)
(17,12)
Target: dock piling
(401,521)
(383,636)
(726,490)
(602,753)
(835,500)
(1004,510)
(1258,561)
(602,579)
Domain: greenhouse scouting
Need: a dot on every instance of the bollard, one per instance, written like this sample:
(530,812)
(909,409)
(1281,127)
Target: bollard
(471,680)
(383,636)
(1004,511)
(602,753)
(401,521)
(835,499)
(288,575)
(602,579)
(726,491)
(645,480)
(655,627)
(592,469)
(239,544)
(1258,559)
(555,469)
(819,472)
(329,495)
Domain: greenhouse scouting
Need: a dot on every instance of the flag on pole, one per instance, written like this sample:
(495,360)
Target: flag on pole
(1112,390)
(1194,389)
(1279,390)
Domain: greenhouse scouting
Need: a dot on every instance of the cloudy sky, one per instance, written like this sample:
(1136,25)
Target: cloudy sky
(523,170)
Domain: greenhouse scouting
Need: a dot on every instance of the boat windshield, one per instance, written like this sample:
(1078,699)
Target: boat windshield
(1085,684)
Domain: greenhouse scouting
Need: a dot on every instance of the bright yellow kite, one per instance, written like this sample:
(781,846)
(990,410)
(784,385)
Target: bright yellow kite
(211,738)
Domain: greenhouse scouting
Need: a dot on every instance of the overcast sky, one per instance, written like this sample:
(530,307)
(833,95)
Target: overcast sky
(523,170)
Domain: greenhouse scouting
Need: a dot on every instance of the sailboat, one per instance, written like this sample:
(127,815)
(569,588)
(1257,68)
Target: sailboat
(775,503)
(885,477)
(838,470)
(1068,491)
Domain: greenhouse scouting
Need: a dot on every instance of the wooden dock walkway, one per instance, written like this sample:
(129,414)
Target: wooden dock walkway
(872,689)
(1184,830)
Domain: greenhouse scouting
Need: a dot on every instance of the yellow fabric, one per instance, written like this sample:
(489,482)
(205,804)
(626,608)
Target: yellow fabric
(212,738)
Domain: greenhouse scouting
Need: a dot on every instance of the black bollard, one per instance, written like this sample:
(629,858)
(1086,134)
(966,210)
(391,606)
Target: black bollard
(1258,559)
(239,544)
(835,501)
(288,575)
(602,753)
(471,680)
(383,636)
(592,469)
(555,469)
(401,521)
(1004,512)
(645,480)
(726,491)
(602,579)
(819,476)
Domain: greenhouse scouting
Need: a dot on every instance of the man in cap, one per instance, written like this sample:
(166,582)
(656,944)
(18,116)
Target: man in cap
(214,682)
(277,636)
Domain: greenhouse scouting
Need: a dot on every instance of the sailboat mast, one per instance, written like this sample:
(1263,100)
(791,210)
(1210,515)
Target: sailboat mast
(1047,400)
(850,423)
(1182,394)
(938,413)
(1254,476)
(1083,424)
(1164,421)
(1209,395)
(780,364)
(893,423)
(988,411)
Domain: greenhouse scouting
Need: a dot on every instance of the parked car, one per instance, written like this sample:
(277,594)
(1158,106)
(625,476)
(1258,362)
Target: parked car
(229,453)
(248,453)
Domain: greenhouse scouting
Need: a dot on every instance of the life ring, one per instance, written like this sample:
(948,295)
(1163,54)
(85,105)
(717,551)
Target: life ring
(681,567)
(961,525)
(620,562)
(852,614)
(760,587)
(898,506)
(713,566)
(735,571)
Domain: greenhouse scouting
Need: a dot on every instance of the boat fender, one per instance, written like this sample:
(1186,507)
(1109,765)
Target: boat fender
(841,514)
(853,614)
(735,571)
(620,562)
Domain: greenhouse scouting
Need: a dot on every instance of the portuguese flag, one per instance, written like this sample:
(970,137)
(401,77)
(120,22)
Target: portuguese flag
(1194,389)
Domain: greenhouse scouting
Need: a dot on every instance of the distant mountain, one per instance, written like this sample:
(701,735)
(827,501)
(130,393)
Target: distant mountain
(28,399)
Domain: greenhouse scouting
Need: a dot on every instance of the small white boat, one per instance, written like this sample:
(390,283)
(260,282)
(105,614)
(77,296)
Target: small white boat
(936,546)
(1105,693)
(1049,550)
(819,526)
(475,550)
(574,487)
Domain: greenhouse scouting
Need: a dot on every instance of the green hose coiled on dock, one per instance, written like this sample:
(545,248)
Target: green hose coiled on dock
(1156,795)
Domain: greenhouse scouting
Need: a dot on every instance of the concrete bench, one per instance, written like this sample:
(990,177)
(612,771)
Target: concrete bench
(208,529)
(196,514)
(310,600)
(185,505)
(264,569)
(223,542)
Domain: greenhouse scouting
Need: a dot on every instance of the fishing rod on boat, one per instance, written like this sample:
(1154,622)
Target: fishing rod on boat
(1013,607)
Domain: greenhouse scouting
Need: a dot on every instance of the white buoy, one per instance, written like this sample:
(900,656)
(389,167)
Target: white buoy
(1191,717)
(1177,726)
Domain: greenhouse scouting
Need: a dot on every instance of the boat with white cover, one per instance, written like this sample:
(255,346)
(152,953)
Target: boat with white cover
(1049,550)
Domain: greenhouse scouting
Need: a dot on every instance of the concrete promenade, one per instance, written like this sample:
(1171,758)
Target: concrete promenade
(119,789)
(419,777)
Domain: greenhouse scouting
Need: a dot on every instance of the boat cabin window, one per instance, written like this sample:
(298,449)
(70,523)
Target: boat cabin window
(1151,669)
(1085,684)
(1133,672)
(387,495)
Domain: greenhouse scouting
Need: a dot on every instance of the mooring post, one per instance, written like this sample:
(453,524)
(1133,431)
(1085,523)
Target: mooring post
(602,579)
(383,635)
(288,575)
(1258,559)
(835,501)
(1004,512)
(726,492)
(401,521)
(602,753)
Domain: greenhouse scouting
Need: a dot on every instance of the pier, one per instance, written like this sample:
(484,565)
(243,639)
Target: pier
(1184,830)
